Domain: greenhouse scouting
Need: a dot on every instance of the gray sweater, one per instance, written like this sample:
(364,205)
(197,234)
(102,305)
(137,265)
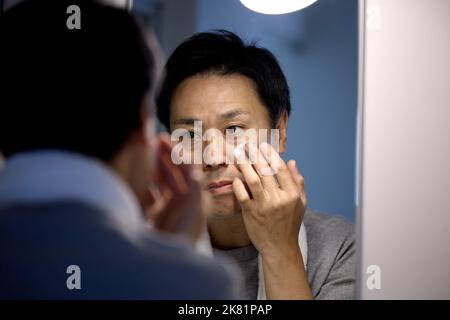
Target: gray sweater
(331,263)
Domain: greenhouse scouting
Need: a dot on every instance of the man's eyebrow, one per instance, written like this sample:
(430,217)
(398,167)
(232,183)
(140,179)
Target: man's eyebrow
(233,114)
(186,121)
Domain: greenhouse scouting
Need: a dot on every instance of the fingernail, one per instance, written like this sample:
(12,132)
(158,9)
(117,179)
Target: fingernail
(264,145)
(239,151)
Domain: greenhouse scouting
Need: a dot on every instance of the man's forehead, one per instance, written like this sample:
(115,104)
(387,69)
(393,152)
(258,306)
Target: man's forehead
(214,88)
(215,98)
(225,114)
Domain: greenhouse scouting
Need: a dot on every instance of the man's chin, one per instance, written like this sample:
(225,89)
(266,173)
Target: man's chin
(224,206)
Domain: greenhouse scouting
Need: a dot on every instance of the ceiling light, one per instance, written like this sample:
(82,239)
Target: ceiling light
(276,6)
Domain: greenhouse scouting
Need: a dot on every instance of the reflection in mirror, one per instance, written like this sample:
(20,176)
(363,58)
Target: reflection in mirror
(216,73)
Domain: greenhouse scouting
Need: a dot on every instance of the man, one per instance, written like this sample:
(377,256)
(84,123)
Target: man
(284,250)
(77,133)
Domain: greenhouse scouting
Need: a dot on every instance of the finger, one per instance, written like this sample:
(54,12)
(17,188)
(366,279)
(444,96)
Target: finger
(280,168)
(189,197)
(155,196)
(186,214)
(161,211)
(191,173)
(295,173)
(176,190)
(156,203)
(249,174)
(152,206)
(193,218)
(164,192)
(165,141)
(173,174)
(241,194)
(152,198)
(157,193)
(187,170)
(298,178)
(262,168)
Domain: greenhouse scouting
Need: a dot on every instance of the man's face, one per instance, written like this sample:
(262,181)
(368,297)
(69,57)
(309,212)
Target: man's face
(222,102)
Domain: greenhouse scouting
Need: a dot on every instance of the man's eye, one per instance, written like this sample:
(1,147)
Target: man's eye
(236,130)
(192,135)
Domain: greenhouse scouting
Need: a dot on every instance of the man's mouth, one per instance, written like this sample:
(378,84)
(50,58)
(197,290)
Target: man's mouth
(220,187)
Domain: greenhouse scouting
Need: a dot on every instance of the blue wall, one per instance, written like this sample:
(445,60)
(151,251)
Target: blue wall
(317,49)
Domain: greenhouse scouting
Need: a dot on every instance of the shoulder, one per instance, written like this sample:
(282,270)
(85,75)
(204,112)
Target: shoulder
(329,238)
(331,255)
(191,275)
(321,226)
(115,263)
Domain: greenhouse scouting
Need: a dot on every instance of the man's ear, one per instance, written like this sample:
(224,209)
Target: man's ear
(146,133)
(282,127)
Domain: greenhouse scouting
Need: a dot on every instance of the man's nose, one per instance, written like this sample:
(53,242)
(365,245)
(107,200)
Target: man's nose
(214,153)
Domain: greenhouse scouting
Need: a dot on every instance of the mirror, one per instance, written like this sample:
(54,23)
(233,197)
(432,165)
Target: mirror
(317,49)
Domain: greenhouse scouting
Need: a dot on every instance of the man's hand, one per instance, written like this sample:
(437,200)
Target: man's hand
(274,204)
(272,208)
(175,196)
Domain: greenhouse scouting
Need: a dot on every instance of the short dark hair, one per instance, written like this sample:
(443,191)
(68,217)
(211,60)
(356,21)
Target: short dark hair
(223,52)
(77,90)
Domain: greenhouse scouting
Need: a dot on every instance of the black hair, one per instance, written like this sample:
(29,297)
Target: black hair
(74,89)
(223,52)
